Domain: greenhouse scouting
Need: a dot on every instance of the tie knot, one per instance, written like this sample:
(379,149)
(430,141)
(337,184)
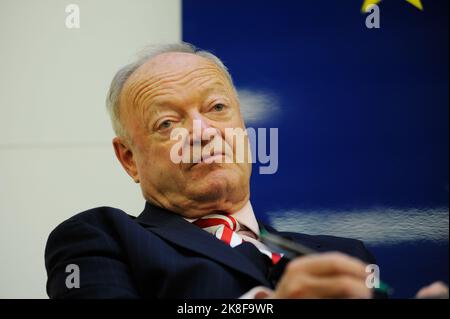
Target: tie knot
(225,227)
(215,220)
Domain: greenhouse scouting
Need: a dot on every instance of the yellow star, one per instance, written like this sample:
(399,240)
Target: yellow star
(368,3)
(416,3)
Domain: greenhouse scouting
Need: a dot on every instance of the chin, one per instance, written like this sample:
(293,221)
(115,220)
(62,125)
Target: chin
(216,185)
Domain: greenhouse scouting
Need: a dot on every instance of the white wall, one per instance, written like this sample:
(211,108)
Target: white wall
(56,157)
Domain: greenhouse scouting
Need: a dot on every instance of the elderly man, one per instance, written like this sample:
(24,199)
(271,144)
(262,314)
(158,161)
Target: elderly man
(197,236)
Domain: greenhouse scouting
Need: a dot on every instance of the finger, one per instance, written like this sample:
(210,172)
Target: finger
(328,287)
(435,290)
(327,264)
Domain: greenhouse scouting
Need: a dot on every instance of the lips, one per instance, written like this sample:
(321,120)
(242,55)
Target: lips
(211,158)
(210,154)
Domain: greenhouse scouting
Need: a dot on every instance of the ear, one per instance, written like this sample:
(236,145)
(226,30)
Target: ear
(125,156)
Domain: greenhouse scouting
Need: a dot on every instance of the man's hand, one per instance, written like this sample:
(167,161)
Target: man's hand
(327,275)
(437,290)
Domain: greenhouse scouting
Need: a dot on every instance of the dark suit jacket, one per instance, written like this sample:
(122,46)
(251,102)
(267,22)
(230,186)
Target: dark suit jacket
(161,255)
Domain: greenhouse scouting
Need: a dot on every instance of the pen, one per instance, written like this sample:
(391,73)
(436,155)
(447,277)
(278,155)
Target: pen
(291,249)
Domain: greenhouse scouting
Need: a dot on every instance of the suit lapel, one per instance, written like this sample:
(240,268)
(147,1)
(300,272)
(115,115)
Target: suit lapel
(173,228)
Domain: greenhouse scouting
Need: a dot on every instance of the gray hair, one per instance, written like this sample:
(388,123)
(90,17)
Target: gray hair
(113,97)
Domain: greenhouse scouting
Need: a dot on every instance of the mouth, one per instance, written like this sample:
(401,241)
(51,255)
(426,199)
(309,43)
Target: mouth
(211,159)
(216,158)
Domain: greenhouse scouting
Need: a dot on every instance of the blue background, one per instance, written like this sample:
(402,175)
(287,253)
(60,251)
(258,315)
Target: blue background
(364,112)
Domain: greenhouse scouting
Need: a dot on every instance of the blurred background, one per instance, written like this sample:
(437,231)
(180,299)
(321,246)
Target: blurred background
(362,116)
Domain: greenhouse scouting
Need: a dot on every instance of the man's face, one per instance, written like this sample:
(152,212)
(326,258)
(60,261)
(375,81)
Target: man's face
(171,91)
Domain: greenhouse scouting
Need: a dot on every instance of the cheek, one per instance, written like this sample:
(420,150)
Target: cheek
(157,156)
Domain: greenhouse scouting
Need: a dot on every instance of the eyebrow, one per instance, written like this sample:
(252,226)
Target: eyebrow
(153,110)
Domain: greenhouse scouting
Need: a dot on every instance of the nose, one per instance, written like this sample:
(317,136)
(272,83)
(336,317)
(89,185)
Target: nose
(202,132)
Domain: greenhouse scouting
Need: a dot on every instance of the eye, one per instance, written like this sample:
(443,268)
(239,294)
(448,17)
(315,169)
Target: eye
(165,124)
(218,107)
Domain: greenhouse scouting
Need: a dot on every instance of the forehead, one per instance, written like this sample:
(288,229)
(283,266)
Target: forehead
(174,71)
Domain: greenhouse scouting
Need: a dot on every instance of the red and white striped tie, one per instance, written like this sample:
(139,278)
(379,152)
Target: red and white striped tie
(225,228)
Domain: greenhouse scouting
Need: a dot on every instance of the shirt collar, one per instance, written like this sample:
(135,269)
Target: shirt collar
(245,216)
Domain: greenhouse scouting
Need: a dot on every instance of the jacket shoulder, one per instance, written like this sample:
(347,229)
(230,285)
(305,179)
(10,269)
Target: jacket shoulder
(93,241)
(99,220)
(99,214)
(101,223)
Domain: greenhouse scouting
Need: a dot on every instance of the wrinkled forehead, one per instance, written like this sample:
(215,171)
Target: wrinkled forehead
(182,70)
